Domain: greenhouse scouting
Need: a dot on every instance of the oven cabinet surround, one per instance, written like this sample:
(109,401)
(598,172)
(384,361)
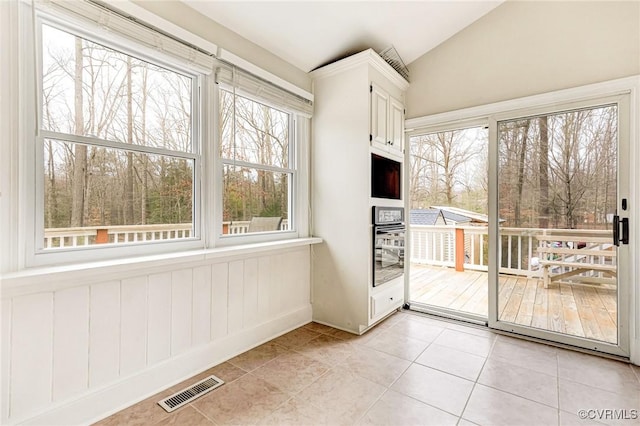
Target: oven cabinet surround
(80,345)
(342,291)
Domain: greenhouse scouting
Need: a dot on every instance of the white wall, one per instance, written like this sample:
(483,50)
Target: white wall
(523,48)
(78,345)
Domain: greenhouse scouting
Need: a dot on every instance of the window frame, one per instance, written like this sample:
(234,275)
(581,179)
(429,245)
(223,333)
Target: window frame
(295,170)
(36,252)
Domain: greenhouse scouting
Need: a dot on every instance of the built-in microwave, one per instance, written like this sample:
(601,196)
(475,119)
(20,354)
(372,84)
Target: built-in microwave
(386,178)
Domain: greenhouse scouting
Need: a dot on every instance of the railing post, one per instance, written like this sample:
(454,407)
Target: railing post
(102,236)
(459,249)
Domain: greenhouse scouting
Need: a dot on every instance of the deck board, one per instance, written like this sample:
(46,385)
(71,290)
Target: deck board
(584,311)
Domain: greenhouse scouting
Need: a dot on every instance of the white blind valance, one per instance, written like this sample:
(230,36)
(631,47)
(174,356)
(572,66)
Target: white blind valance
(120,27)
(246,83)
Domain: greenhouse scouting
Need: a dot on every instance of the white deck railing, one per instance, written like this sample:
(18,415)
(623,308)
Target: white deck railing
(90,235)
(518,251)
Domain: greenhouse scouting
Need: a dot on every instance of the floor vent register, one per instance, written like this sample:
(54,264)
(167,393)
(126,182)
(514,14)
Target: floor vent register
(190,394)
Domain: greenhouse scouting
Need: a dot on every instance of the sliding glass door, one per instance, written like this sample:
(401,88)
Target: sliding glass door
(520,221)
(448,221)
(558,226)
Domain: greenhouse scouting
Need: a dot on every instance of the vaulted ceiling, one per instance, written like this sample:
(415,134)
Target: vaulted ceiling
(309,34)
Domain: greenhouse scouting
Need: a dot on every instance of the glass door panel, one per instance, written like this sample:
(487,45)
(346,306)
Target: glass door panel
(448,222)
(557,200)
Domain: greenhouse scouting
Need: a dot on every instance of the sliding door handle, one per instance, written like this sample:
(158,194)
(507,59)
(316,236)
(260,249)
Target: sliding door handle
(625,231)
(617,237)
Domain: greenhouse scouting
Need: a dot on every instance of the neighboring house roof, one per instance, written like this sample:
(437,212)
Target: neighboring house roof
(425,216)
(464,215)
(454,217)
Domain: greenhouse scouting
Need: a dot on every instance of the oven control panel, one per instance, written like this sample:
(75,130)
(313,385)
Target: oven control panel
(388,215)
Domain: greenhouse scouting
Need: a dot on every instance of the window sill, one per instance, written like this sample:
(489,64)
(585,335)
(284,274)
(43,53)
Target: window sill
(53,278)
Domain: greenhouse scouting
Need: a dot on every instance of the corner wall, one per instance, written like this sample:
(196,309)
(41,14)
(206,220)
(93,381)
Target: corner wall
(523,48)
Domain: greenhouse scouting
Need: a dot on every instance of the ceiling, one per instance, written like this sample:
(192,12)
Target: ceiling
(309,34)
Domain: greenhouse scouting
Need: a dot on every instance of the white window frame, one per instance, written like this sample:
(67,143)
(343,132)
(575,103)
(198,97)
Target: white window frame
(296,169)
(27,155)
(36,254)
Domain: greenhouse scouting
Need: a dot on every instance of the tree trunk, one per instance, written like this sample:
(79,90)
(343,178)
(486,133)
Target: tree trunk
(52,199)
(145,159)
(543,173)
(520,184)
(128,185)
(80,151)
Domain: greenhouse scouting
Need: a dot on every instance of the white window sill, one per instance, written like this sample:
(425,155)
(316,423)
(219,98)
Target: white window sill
(56,277)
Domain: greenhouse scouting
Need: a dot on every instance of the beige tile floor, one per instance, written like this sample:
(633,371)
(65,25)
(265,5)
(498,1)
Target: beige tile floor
(409,370)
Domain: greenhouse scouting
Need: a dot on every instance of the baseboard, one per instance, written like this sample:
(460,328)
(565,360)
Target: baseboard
(97,404)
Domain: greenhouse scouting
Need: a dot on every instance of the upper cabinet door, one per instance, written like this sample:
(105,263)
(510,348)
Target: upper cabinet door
(379,115)
(396,125)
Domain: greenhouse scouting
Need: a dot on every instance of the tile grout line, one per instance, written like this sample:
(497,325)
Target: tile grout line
(475,383)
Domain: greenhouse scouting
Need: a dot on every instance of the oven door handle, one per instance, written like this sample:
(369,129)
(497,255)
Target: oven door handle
(390,230)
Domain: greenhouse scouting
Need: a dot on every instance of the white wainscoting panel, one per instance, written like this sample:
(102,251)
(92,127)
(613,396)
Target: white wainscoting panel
(250,290)
(104,333)
(5,356)
(181,310)
(265,284)
(235,321)
(31,353)
(219,300)
(159,323)
(79,353)
(70,342)
(133,325)
(201,319)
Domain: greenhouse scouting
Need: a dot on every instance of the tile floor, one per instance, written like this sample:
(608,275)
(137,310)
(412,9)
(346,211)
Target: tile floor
(409,370)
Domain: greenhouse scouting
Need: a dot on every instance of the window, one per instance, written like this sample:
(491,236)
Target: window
(256,149)
(123,116)
(118,142)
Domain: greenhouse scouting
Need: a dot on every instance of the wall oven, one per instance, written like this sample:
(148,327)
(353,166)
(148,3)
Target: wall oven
(388,244)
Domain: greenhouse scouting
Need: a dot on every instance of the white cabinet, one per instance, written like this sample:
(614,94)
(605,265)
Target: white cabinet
(346,116)
(391,297)
(386,121)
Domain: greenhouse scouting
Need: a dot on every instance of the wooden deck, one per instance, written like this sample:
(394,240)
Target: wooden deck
(584,311)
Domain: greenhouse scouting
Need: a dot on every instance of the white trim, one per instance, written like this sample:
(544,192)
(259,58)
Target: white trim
(365,57)
(9,131)
(93,406)
(45,279)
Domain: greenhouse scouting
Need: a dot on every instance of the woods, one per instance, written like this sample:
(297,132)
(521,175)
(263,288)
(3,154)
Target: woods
(554,171)
(92,91)
(450,168)
(119,145)
(559,171)
(254,147)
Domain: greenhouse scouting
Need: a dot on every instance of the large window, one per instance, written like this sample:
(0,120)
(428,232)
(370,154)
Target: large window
(258,168)
(145,145)
(117,137)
